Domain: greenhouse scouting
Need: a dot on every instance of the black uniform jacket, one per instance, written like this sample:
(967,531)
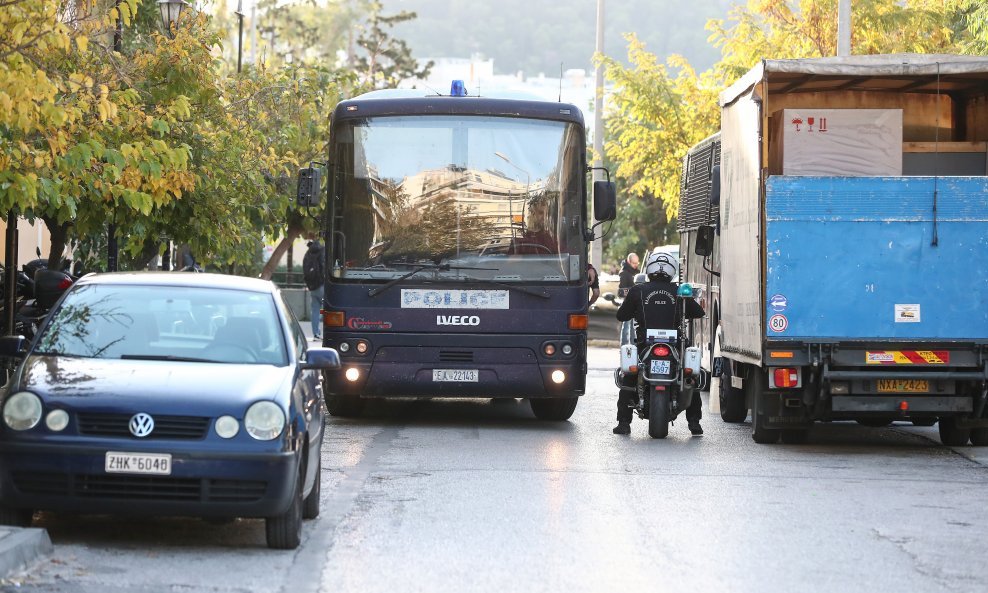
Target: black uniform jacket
(653,305)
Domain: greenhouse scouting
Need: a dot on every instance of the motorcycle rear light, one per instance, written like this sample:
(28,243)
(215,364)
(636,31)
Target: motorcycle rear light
(786,377)
(660,350)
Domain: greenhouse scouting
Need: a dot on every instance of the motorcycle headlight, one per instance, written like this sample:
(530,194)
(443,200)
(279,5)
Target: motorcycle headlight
(264,421)
(22,411)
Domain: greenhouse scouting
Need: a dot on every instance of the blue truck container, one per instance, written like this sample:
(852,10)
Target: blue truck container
(847,294)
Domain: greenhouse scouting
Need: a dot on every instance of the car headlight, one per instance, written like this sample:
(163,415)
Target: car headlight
(22,411)
(264,421)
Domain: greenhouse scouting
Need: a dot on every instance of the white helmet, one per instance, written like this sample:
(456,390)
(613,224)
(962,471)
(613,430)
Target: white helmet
(660,266)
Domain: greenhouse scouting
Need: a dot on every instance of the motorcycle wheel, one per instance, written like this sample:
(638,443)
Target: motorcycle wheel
(658,414)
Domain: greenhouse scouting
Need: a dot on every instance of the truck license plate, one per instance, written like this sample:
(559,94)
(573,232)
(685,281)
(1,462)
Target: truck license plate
(455,375)
(138,463)
(903,386)
(660,367)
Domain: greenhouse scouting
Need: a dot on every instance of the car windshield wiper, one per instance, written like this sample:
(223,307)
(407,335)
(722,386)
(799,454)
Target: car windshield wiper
(418,268)
(542,294)
(169,357)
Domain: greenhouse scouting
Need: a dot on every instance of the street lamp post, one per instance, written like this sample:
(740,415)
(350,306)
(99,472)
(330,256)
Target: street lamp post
(240,33)
(171,11)
(112,250)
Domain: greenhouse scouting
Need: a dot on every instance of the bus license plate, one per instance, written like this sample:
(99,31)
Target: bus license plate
(138,463)
(455,375)
(660,367)
(903,386)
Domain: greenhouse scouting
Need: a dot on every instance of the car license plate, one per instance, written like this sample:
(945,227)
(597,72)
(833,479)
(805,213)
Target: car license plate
(455,375)
(138,463)
(660,367)
(903,386)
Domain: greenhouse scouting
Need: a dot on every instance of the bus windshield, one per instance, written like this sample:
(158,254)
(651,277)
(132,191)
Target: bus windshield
(493,198)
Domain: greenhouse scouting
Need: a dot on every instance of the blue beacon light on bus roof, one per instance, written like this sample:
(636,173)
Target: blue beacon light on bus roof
(458,89)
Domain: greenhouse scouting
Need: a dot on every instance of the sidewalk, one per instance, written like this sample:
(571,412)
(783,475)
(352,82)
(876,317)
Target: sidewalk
(21,546)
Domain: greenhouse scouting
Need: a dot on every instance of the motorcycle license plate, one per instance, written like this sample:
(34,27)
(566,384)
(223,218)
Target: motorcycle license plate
(660,367)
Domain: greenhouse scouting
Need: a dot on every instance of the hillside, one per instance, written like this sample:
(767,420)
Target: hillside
(536,36)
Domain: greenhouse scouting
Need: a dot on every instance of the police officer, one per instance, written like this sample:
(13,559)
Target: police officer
(653,306)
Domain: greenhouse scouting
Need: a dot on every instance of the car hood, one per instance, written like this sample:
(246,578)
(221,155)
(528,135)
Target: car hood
(90,382)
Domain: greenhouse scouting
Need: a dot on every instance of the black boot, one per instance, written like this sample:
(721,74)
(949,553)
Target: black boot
(623,427)
(695,428)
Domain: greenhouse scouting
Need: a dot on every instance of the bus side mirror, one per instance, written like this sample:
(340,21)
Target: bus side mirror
(309,181)
(715,187)
(604,201)
(704,241)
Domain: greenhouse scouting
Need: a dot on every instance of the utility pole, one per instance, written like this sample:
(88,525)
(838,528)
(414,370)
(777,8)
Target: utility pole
(844,28)
(240,33)
(597,247)
(111,228)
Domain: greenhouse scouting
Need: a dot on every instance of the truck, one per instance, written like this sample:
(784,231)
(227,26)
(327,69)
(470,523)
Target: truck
(836,230)
(456,265)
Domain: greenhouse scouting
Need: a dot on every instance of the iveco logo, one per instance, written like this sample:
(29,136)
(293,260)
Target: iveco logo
(457,320)
(141,425)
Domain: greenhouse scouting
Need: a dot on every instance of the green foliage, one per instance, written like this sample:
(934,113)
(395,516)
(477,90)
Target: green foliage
(386,60)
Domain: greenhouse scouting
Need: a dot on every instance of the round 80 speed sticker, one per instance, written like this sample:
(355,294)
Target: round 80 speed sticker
(778,323)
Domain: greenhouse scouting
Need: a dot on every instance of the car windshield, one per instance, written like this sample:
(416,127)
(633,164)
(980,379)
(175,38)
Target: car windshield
(166,323)
(498,195)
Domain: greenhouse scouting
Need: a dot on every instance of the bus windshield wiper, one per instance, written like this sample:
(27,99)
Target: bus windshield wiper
(542,294)
(418,268)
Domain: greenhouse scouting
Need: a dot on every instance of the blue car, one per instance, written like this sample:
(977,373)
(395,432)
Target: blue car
(166,394)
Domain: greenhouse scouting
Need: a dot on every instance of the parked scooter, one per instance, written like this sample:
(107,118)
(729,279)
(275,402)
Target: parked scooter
(665,375)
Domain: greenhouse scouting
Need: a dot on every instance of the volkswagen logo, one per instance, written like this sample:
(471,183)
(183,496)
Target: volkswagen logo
(141,425)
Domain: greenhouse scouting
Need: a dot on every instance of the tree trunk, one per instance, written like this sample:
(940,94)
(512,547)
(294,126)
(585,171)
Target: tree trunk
(296,225)
(56,248)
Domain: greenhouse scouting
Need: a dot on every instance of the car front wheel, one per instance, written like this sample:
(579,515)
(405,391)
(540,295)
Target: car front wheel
(284,531)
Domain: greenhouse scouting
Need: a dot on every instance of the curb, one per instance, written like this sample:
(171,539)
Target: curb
(19,547)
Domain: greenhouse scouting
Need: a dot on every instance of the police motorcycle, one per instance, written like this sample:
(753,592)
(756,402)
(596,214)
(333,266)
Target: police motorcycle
(666,375)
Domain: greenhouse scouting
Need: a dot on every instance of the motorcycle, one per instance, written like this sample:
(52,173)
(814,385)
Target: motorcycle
(665,374)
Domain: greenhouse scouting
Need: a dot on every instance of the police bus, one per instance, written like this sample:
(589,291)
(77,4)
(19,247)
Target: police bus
(456,260)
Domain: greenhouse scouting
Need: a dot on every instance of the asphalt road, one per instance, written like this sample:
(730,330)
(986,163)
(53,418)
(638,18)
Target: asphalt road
(454,496)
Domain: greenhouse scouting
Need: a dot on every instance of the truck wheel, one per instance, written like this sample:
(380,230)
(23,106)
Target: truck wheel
(951,435)
(753,387)
(344,406)
(658,414)
(732,405)
(556,409)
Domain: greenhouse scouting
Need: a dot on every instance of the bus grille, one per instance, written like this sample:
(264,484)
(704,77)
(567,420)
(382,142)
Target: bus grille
(455,356)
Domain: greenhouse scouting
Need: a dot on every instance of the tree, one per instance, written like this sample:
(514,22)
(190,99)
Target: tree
(386,60)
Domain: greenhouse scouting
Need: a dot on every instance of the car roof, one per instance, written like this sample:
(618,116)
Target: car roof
(180,279)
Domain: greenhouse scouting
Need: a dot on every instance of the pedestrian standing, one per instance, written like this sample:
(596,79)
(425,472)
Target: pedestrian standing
(629,267)
(314,275)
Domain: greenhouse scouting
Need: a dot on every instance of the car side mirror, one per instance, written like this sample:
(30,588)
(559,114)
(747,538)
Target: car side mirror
(704,241)
(609,296)
(309,181)
(326,359)
(604,201)
(715,187)
(13,346)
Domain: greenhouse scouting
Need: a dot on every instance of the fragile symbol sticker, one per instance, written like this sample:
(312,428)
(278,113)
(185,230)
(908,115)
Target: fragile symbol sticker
(907,314)
(778,323)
